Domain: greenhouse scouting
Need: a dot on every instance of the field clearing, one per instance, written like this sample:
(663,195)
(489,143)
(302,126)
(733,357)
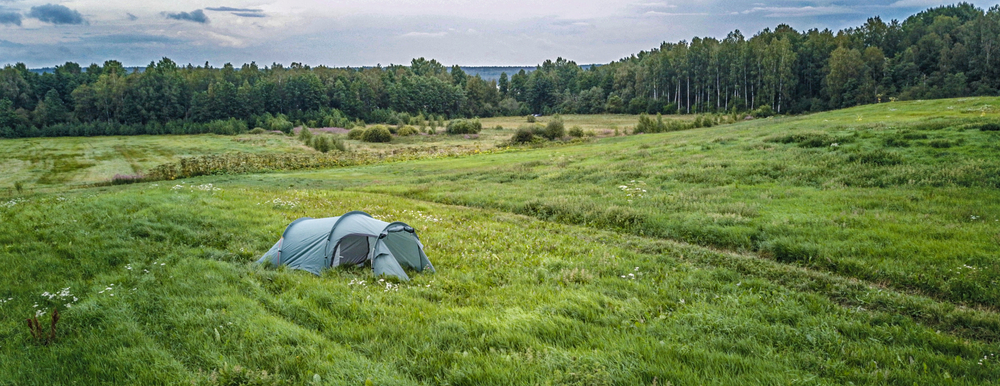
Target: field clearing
(56,163)
(599,125)
(855,246)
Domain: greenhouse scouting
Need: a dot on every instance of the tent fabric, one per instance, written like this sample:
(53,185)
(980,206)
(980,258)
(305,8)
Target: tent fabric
(316,244)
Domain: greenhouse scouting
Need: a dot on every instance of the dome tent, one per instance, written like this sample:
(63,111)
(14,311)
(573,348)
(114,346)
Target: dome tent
(315,244)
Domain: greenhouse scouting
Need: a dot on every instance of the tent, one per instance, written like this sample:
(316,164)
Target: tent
(315,244)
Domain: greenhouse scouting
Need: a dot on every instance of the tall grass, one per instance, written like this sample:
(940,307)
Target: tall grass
(168,294)
(820,191)
(774,251)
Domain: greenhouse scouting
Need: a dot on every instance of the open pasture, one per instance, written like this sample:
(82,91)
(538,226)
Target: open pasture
(855,246)
(58,163)
(55,163)
(155,286)
(887,193)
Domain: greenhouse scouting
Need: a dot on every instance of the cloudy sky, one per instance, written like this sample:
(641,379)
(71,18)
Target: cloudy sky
(364,32)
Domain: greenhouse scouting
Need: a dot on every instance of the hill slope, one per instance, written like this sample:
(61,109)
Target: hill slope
(734,258)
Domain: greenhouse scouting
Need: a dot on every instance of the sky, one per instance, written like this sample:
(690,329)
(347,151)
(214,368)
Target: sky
(365,33)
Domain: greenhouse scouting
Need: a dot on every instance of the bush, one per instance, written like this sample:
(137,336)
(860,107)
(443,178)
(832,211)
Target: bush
(406,131)
(523,135)
(305,135)
(226,127)
(258,130)
(648,125)
(531,119)
(498,128)
(377,133)
(278,123)
(555,129)
(464,126)
(576,131)
(326,143)
(356,133)
(762,112)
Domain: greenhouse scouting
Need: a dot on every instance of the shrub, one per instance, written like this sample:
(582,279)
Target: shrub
(762,112)
(464,126)
(305,135)
(226,126)
(555,129)
(377,133)
(498,128)
(258,130)
(523,135)
(278,123)
(648,125)
(531,119)
(576,131)
(406,131)
(536,129)
(356,133)
(326,143)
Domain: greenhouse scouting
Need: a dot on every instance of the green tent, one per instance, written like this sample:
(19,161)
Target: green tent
(315,244)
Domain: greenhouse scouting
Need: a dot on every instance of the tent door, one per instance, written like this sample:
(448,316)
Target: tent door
(352,249)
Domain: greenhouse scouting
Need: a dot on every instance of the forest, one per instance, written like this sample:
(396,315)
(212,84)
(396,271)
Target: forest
(949,51)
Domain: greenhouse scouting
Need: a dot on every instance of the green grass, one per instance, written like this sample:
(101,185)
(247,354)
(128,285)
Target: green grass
(758,254)
(915,217)
(57,163)
(46,164)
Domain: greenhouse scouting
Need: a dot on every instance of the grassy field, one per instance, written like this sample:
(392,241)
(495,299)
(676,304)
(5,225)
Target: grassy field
(856,246)
(600,126)
(55,163)
(903,198)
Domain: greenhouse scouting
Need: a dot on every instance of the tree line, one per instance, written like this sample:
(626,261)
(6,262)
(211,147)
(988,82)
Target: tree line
(948,51)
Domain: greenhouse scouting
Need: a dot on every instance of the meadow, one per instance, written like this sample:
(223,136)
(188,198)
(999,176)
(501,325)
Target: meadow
(50,164)
(854,246)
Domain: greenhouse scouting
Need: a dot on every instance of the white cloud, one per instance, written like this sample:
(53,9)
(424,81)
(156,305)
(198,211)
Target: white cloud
(654,5)
(364,32)
(658,13)
(423,34)
(918,3)
(800,11)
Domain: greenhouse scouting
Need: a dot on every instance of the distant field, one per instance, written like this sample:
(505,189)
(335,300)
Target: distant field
(51,163)
(603,124)
(859,246)
(46,163)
